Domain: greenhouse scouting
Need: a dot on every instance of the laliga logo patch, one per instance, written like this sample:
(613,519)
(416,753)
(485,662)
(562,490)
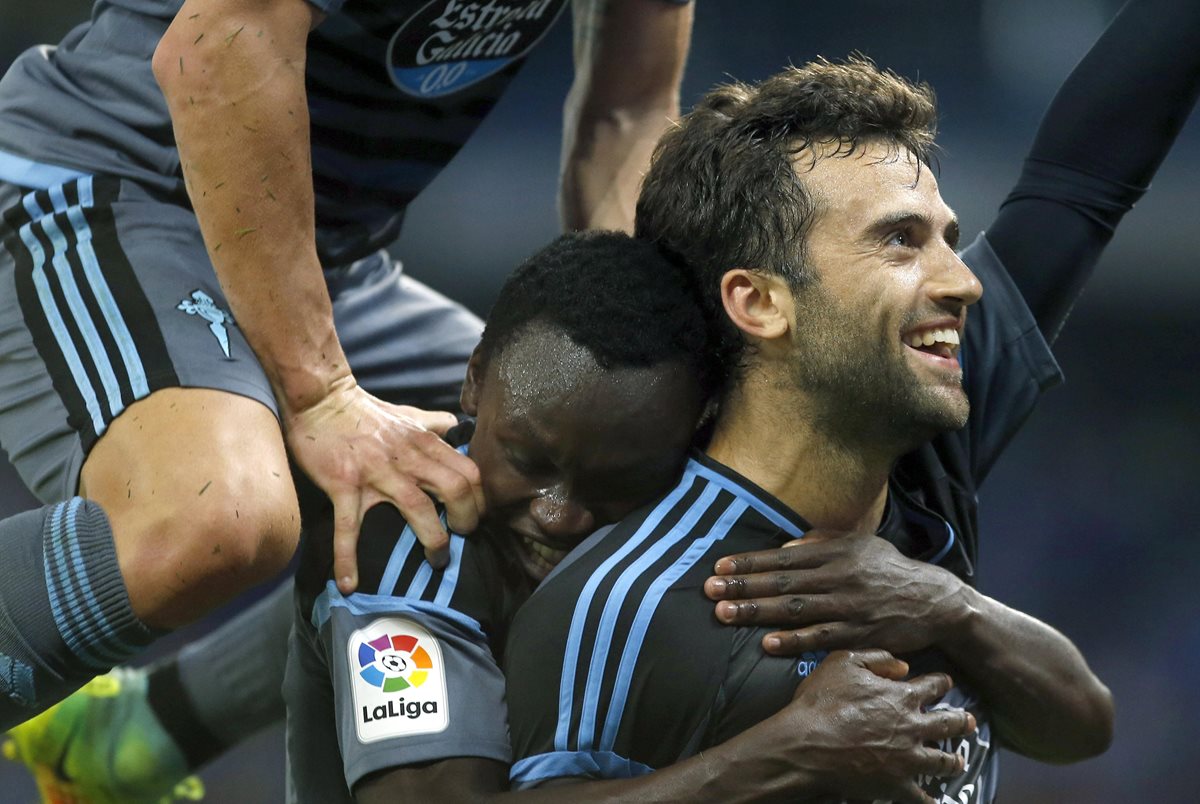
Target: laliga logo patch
(399,680)
(394,662)
(451,44)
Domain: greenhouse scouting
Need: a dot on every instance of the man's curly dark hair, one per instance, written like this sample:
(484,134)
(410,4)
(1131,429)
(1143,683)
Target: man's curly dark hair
(615,296)
(724,189)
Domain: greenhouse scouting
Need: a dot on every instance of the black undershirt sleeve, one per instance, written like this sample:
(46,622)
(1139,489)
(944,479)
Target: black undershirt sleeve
(1099,144)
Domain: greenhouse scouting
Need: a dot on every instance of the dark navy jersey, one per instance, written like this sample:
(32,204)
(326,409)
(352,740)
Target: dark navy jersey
(395,88)
(616,666)
(408,665)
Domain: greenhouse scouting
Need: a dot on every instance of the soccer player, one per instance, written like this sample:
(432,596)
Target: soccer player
(584,411)
(873,390)
(192,283)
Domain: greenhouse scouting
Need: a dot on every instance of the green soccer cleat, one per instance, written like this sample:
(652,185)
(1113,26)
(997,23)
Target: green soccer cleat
(103,745)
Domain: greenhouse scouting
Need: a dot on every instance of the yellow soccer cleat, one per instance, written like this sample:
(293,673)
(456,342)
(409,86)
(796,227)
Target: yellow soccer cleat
(103,745)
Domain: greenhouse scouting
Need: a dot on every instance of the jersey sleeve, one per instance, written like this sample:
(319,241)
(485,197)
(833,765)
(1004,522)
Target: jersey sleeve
(408,659)
(413,682)
(1097,149)
(1007,363)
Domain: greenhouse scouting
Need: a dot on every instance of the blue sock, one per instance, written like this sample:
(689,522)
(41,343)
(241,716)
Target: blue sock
(64,611)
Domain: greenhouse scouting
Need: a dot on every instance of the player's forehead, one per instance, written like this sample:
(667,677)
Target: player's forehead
(874,182)
(553,394)
(541,367)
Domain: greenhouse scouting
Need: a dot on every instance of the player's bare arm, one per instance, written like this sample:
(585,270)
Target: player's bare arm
(629,60)
(233,75)
(854,729)
(857,590)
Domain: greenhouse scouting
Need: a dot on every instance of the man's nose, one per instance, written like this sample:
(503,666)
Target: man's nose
(561,516)
(952,282)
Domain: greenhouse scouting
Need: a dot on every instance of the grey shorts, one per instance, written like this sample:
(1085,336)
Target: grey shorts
(107,295)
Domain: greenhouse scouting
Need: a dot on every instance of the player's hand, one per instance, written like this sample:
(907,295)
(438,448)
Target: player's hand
(838,590)
(860,731)
(362,451)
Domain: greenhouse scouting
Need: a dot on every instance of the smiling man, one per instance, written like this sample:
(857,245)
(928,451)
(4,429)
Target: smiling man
(872,384)
(583,412)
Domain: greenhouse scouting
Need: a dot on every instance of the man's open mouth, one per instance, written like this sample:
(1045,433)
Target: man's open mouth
(540,558)
(941,342)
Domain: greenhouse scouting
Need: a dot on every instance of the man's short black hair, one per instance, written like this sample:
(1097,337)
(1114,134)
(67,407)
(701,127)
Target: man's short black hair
(616,296)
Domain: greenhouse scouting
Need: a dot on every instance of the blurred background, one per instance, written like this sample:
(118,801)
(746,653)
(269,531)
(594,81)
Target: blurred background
(1085,519)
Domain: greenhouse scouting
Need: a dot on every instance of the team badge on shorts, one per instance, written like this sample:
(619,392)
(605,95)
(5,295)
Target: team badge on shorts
(201,304)
(451,44)
(399,680)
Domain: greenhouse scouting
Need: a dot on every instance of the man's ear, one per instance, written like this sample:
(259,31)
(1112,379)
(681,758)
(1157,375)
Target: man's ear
(758,304)
(473,385)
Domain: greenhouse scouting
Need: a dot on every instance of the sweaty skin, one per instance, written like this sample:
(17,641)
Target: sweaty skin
(565,445)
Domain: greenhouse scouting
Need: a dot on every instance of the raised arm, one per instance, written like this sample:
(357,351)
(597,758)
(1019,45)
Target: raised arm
(629,59)
(1100,142)
(233,73)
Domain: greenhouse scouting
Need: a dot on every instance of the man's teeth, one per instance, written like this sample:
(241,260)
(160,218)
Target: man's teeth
(930,337)
(548,554)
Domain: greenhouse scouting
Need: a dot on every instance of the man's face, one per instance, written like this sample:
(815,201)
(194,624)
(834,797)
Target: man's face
(876,336)
(564,446)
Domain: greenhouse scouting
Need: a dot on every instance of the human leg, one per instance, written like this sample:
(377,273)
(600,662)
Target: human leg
(118,353)
(97,332)
(222,688)
(197,485)
(65,614)
(407,344)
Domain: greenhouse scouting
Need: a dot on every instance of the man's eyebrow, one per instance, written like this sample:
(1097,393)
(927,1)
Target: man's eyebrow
(904,218)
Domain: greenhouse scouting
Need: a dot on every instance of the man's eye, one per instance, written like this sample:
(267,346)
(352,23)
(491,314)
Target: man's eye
(899,239)
(520,463)
(524,463)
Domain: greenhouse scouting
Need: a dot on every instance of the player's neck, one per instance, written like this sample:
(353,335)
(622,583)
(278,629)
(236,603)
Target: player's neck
(781,445)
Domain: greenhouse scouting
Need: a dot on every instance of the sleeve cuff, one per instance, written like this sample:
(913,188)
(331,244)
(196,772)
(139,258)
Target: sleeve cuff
(533,771)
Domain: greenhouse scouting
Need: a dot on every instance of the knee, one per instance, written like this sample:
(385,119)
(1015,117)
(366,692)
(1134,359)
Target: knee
(200,547)
(248,534)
